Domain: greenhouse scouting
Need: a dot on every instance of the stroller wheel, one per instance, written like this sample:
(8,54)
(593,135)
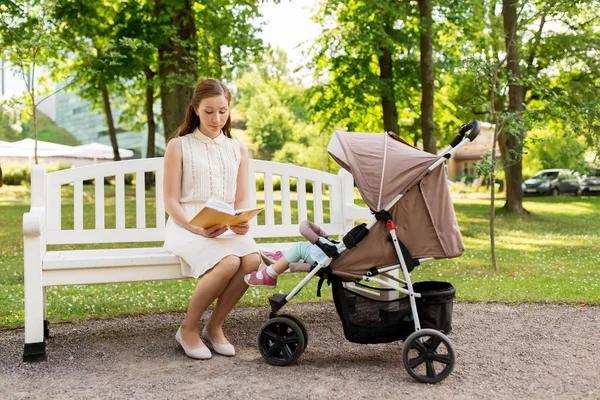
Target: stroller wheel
(428,356)
(301,325)
(281,341)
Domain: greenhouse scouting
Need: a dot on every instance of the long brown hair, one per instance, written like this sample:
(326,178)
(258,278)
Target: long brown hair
(206,88)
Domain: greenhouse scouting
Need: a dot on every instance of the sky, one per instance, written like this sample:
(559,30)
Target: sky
(287,25)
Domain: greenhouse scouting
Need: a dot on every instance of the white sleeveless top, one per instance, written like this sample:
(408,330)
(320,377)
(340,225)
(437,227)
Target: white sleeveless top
(210,169)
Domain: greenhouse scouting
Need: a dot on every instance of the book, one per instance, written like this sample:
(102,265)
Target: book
(217,212)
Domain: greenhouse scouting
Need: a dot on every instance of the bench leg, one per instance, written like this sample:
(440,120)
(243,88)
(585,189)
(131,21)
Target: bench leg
(35,346)
(34,352)
(46,323)
(46,330)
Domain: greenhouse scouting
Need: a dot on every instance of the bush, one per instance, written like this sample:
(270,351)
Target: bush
(16,174)
(260,184)
(20,174)
(110,180)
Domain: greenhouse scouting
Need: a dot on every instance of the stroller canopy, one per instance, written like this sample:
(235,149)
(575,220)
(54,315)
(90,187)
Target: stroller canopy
(384,166)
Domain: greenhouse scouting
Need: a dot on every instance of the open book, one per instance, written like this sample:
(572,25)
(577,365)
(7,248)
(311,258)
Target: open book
(217,212)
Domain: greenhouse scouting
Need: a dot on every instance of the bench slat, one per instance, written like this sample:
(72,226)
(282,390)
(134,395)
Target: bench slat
(86,236)
(78,205)
(140,199)
(53,218)
(286,216)
(335,199)
(120,200)
(160,201)
(318,203)
(269,211)
(87,276)
(99,201)
(252,190)
(301,191)
(108,258)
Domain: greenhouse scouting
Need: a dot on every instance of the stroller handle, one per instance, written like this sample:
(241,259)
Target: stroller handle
(473,126)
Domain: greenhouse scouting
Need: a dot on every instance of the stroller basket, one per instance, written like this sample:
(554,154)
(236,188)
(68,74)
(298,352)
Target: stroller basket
(375,321)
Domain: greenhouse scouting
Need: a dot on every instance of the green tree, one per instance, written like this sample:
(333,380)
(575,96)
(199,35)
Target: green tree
(552,147)
(98,67)
(277,113)
(29,38)
(177,59)
(427,76)
(200,40)
(534,78)
(8,124)
(364,51)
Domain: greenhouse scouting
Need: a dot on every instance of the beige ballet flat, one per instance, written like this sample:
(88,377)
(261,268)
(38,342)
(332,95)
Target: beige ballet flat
(222,349)
(202,353)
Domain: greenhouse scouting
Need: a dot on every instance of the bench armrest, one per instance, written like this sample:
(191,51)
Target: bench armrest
(33,222)
(352,211)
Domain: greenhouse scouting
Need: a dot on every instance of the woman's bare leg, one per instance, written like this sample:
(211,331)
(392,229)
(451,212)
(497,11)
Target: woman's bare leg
(209,287)
(230,296)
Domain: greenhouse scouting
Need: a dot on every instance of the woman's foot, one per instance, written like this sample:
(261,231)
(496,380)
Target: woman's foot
(194,351)
(260,278)
(218,342)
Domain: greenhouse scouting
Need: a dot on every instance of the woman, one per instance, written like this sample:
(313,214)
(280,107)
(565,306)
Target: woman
(204,161)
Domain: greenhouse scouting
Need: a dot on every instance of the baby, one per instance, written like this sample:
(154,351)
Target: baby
(299,252)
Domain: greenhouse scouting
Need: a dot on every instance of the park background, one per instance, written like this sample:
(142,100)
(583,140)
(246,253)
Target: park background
(121,73)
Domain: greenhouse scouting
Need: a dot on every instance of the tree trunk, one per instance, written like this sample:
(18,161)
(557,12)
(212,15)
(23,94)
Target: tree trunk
(386,79)
(427,84)
(511,143)
(112,132)
(178,59)
(34,114)
(150,153)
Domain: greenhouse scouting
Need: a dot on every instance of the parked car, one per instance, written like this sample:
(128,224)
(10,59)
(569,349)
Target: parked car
(590,184)
(553,182)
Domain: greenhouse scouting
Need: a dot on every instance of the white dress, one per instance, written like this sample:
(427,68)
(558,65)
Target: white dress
(210,168)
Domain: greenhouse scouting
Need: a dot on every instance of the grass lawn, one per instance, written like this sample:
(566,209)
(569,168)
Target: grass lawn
(550,255)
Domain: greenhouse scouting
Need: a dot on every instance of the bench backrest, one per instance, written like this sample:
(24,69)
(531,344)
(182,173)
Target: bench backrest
(46,193)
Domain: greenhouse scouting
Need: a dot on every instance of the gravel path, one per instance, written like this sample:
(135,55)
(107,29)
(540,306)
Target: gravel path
(503,352)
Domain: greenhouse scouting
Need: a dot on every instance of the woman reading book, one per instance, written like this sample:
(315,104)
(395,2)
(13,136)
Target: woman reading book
(203,161)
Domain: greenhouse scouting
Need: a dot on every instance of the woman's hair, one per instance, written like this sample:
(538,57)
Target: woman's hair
(205,89)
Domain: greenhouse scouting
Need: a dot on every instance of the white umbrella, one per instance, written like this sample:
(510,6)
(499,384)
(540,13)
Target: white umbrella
(97,151)
(26,148)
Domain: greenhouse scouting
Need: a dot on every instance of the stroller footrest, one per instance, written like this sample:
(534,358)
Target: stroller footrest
(277,301)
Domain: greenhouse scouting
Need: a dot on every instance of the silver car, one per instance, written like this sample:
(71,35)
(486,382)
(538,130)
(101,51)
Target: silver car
(553,182)
(590,184)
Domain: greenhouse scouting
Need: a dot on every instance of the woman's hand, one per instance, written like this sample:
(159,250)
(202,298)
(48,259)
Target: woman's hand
(211,232)
(240,229)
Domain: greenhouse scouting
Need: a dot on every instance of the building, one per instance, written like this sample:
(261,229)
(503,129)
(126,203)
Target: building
(464,160)
(74,114)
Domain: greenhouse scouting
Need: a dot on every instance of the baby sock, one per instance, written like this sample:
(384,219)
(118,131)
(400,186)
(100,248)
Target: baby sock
(269,270)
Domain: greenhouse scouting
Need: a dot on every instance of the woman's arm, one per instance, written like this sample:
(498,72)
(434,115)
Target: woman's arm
(173,172)
(241,191)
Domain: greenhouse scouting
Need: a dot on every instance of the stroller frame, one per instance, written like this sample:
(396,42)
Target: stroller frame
(390,281)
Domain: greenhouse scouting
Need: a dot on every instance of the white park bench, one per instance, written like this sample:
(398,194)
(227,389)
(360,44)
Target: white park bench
(43,226)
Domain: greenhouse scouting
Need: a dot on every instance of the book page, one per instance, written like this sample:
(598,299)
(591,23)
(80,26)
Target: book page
(219,205)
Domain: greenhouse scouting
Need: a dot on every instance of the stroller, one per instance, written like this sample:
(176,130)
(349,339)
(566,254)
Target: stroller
(413,222)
